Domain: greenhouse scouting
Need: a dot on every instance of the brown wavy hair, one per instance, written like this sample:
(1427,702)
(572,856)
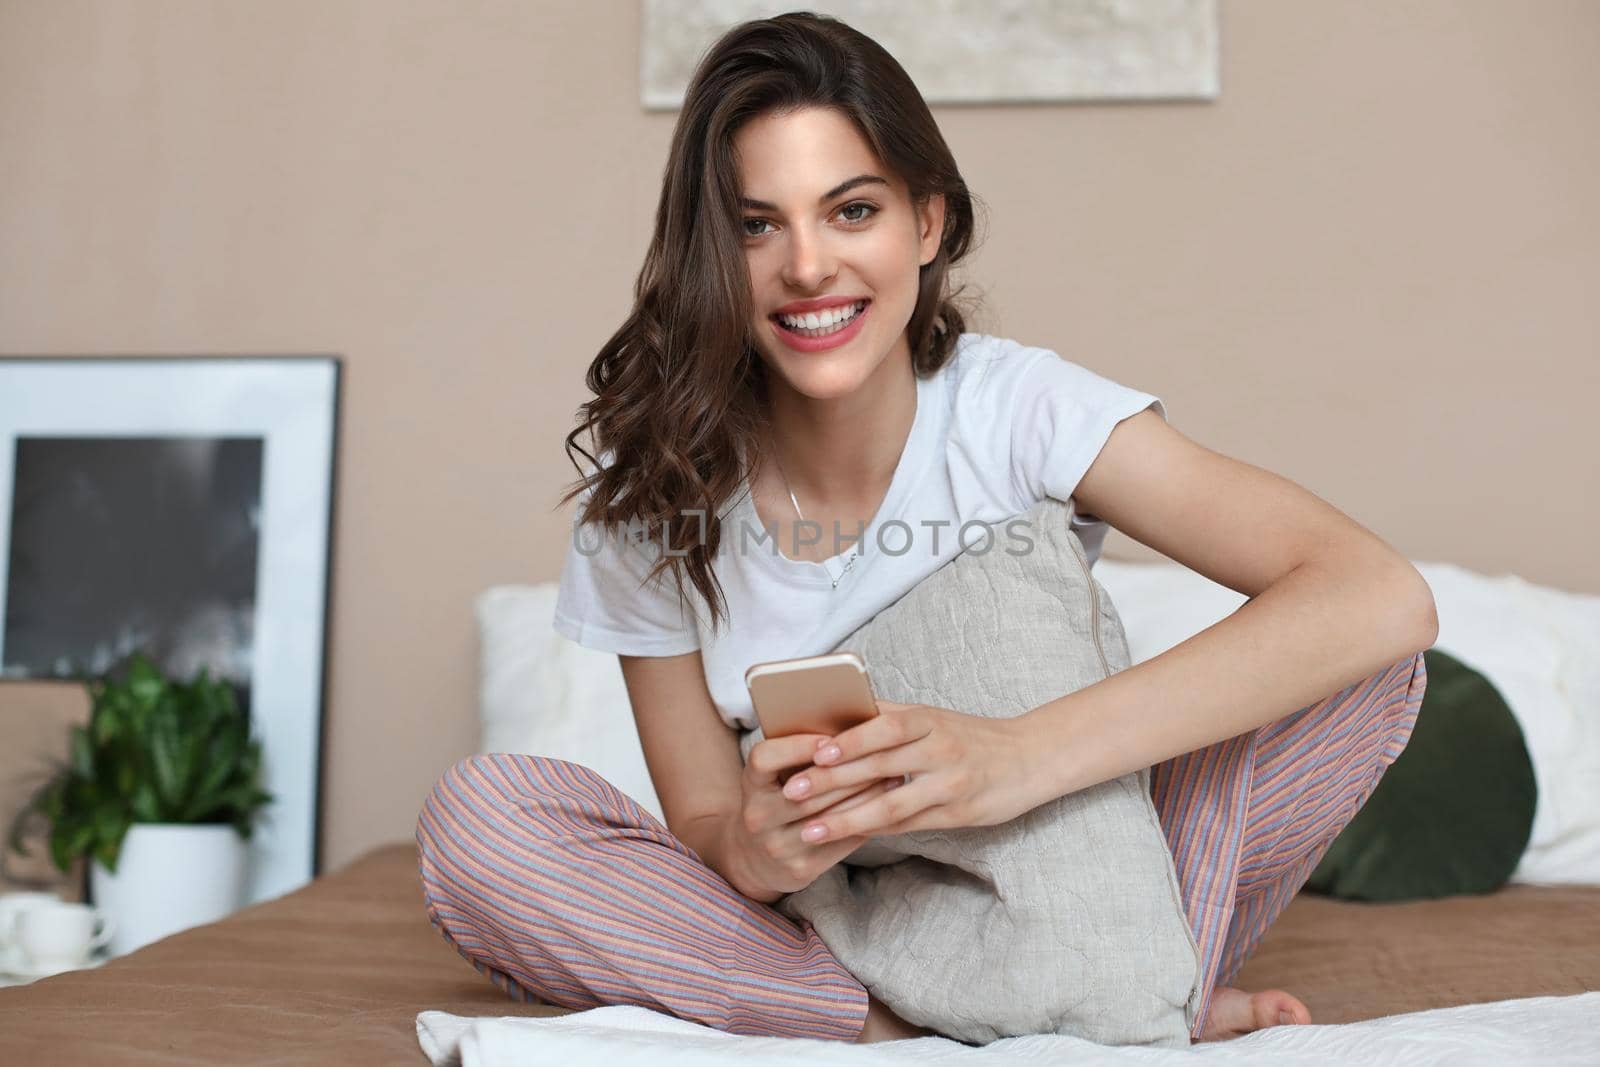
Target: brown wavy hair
(679,389)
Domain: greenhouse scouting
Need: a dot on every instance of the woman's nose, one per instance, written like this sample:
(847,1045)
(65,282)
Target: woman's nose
(810,263)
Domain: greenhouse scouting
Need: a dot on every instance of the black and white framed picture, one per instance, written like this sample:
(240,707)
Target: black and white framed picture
(182,507)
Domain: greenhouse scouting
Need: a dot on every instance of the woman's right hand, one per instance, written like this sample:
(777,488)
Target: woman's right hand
(762,842)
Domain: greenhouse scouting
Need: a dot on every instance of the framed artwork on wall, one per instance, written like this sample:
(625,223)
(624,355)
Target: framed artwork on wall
(182,507)
(961,52)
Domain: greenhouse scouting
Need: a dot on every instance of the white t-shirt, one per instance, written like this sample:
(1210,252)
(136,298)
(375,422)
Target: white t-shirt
(997,429)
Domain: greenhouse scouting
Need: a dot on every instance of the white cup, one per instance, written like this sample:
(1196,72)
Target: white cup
(13,904)
(60,935)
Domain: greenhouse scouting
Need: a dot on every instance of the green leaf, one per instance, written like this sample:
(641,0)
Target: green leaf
(145,805)
(191,759)
(145,681)
(110,824)
(223,763)
(164,745)
(60,855)
(80,840)
(82,752)
(108,853)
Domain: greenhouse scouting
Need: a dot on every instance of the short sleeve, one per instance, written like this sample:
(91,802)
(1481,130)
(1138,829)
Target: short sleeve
(1062,417)
(604,603)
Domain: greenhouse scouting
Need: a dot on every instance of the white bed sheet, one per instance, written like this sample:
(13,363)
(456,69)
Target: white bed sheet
(1545,1030)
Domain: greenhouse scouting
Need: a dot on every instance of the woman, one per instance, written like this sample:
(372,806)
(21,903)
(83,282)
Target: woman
(809,187)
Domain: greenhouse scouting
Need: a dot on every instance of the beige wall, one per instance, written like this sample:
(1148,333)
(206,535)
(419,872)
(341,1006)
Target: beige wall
(1372,265)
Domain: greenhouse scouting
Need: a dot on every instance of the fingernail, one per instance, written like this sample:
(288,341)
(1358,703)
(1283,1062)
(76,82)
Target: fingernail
(821,741)
(813,833)
(894,783)
(829,754)
(797,787)
(1284,1017)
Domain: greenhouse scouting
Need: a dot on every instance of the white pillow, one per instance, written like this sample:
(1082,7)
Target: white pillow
(1540,647)
(546,695)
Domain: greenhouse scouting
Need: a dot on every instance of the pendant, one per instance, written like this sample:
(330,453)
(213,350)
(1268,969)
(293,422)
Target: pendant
(851,562)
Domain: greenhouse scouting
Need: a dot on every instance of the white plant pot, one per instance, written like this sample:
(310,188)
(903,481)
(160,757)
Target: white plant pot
(169,877)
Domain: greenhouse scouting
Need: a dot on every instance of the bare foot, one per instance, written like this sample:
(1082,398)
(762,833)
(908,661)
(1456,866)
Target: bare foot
(1234,1012)
(884,1025)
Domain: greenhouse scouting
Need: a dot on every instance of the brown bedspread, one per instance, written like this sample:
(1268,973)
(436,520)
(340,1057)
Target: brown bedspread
(337,971)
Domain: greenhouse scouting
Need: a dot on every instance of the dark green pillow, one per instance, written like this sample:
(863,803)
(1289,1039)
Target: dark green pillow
(1453,813)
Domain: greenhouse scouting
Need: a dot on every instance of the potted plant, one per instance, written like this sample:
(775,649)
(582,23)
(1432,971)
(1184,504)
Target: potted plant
(162,789)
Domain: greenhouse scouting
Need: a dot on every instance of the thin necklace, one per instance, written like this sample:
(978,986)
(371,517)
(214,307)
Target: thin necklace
(853,552)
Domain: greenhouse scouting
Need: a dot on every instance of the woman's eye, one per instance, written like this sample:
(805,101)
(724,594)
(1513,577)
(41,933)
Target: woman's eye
(758,222)
(866,207)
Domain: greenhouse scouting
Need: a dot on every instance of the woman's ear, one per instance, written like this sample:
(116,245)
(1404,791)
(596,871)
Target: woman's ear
(930,220)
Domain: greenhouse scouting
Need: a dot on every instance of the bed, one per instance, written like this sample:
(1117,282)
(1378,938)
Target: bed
(341,969)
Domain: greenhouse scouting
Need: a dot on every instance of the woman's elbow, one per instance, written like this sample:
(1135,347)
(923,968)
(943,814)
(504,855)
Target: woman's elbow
(1424,613)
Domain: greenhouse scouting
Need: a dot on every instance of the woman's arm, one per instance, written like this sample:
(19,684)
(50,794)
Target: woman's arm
(1330,603)
(691,754)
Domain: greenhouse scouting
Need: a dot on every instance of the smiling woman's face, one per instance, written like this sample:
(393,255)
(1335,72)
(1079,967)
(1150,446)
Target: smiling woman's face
(826,223)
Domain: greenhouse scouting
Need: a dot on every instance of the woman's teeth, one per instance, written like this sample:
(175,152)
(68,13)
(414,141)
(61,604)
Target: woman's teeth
(822,323)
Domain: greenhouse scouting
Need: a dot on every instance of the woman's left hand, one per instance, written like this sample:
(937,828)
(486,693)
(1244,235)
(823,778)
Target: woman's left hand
(965,771)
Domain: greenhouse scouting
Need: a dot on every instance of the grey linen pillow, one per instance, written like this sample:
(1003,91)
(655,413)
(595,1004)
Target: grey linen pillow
(1069,918)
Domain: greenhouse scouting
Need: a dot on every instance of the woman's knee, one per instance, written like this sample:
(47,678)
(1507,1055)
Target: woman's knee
(538,794)
(497,797)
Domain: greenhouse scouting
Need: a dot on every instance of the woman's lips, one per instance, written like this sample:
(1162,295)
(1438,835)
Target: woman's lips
(802,343)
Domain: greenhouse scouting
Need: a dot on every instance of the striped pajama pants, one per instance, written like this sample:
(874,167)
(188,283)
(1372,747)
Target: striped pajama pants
(560,889)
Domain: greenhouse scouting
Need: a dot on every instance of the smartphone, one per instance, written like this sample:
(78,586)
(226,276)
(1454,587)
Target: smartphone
(824,694)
